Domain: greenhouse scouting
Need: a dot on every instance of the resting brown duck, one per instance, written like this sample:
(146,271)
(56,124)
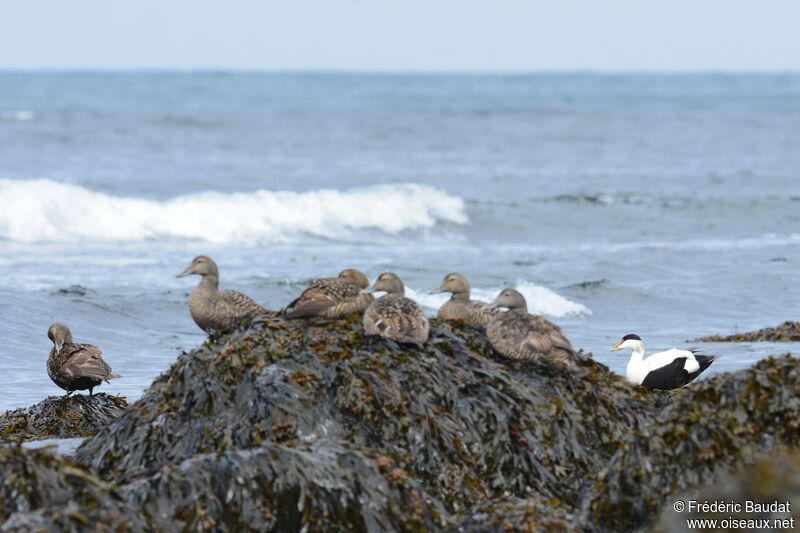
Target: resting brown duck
(459,306)
(517,334)
(74,366)
(212,309)
(333,298)
(393,315)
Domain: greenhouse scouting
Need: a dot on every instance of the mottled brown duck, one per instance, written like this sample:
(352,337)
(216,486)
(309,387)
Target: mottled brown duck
(517,334)
(393,315)
(74,366)
(211,308)
(459,306)
(332,298)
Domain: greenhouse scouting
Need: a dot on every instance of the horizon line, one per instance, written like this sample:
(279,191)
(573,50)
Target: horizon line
(398,72)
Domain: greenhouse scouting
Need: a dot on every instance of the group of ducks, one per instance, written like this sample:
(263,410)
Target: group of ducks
(515,334)
(512,331)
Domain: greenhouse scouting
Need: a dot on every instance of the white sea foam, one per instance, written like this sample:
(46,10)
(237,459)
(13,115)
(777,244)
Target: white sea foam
(541,300)
(49,211)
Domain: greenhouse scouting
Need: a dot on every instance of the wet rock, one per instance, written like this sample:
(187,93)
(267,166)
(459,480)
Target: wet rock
(42,492)
(786,332)
(772,483)
(318,487)
(61,417)
(76,290)
(289,425)
(705,431)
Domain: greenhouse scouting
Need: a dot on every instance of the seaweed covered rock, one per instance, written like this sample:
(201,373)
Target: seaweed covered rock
(317,487)
(773,483)
(291,425)
(711,428)
(42,492)
(786,332)
(466,424)
(61,417)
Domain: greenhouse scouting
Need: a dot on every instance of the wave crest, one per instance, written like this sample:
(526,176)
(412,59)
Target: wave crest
(541,300)
(50,211)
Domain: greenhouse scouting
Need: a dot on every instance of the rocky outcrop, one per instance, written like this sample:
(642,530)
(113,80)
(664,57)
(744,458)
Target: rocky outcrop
(42,492)
(772,483)
(786,332)
(61,417)
(281,426)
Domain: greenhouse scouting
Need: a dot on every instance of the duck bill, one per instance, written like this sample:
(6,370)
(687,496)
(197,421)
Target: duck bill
(616,347)
(187,272)
(59,345)
(437,290)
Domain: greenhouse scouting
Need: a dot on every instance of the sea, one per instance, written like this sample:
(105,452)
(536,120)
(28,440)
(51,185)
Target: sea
(666,205)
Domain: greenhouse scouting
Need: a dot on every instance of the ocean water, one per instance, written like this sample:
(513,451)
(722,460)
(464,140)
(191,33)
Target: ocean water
(662,205)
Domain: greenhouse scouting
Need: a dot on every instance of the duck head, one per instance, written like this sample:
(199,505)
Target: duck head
(510,299)
(387,282)
(354,277)
(454,283)
(201,266)
(60,335)
(630,341)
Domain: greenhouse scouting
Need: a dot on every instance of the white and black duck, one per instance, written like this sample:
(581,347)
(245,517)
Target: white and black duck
(663,370)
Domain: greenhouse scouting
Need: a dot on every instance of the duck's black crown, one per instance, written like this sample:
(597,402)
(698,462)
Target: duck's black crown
(631,336)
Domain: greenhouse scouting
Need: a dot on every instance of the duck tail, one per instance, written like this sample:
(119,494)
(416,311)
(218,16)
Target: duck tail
(705,360)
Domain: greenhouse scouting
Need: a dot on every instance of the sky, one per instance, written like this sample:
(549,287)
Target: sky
(402,35)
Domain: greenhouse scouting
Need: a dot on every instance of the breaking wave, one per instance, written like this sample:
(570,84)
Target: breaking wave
(50,211)
(541,300)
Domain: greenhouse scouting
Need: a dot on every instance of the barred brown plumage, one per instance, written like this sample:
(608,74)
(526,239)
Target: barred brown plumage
(74,366)
(393,315)
(459,306)
(332,298)
(517,334)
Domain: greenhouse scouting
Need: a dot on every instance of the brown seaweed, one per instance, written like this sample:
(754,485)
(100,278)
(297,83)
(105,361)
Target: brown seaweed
(282,425)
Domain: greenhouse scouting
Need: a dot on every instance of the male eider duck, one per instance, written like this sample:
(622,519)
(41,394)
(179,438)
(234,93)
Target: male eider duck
(518,334)
(459,306)
(212,309)
(663,370)
(74,366)
(393,315)
(333,298)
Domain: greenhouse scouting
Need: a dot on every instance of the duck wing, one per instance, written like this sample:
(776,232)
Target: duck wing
(85,360)
(315,290)
(545,337)
(241,303)
(396,318)
(320,296)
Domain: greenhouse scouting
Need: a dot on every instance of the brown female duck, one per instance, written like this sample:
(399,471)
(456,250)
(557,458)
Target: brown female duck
(212,309)
(459,306)
(74,366)
(393,315)
(516,334)
(333,298)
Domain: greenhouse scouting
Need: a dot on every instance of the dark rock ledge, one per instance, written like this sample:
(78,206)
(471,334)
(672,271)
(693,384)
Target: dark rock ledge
(61,417)
(283,426)
(786,332)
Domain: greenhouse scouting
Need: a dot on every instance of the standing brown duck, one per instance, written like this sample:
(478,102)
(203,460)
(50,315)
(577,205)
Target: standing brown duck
(517,334)
(212,309)
(74,366)
(459,306)
(393,315)
(333,298)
